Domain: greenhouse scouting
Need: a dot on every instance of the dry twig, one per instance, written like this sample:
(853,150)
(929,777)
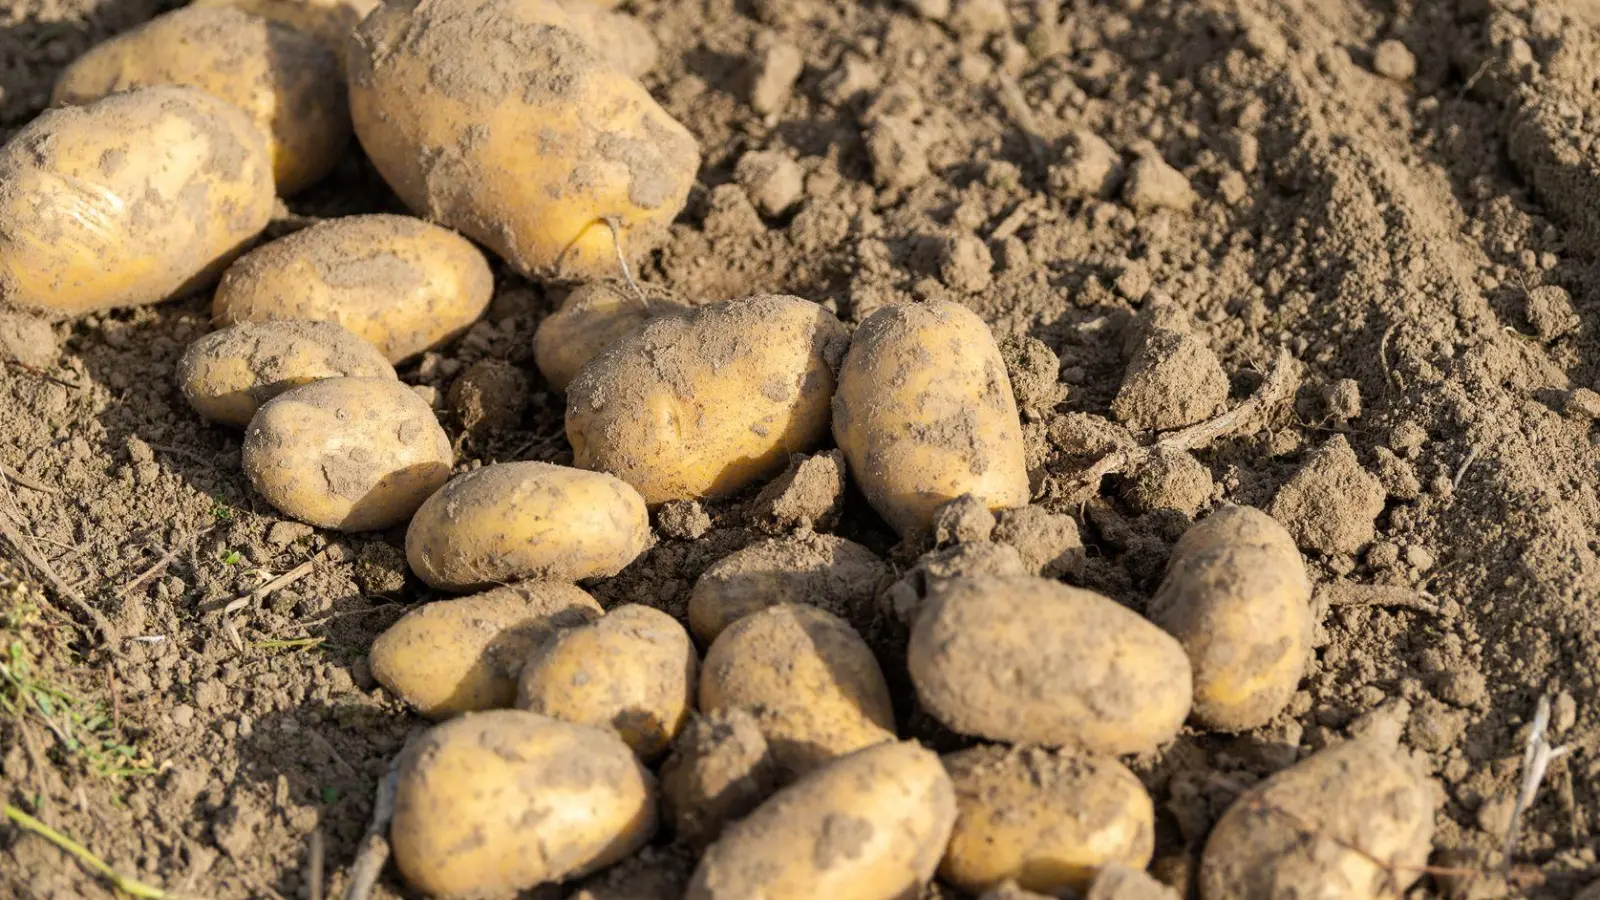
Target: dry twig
(1347,594)
(42,566)
(374,851)
(276,584)
(1536,757)
(18,478)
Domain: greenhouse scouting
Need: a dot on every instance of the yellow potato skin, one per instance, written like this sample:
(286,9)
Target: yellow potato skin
(402,284)
(868,826)
(289,84)
(129,200)
(486,118)
(526,520)
(924,413)
(491,803)
(1237,596)
(228,374)
(706,403)
(453,656)
(329,21)
(591,319)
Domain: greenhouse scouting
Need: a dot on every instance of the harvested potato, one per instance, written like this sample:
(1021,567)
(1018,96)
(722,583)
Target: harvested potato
(706,403)
(720,769)
(455,656)
(840,576)
(487,118)
(591,319)
(355,454)
(1029,661)
(924,414)
(1237,597)
(526,520)
(329,21)
(869,826)
(404,285)
(808,678)
(228,374)
(491,803)
(128,200)
(1047,820)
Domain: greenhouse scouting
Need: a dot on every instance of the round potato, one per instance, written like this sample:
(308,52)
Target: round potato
(128,200)
(487,118)
(354,454)
(840,576)
(808,678)
(704,404)
(491,803)
(720,769)
(924,414)
(526,520)
(228,374)
(869,826)
(1047,820)
(454,656)
(591,319)
(1237,596)
(329,21)
(1028,661)
(404,285)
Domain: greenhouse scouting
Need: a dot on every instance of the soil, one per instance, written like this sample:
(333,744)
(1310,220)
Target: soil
(1403,196)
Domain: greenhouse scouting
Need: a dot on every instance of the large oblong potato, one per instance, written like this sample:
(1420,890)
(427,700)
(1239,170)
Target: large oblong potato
(840,576)
(329,21)
(128,200)
(228,374)
(706,403)
(924,413)
(1237,596)
(491,803)
(593,317)
(1029,661)
(401,283)
(526,520)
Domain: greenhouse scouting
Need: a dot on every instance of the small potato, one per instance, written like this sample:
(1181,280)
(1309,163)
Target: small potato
(707,403)
(840,576)
(492,803)
(289,84)
(592,318)
(455,656)
(924,414)
(526,520)
(1047,820)
(1237,597)
(808,678)
(128,200)
(354,454)
(228,374)
(632,671)
(1029,661)
(868,826)
(404,285)
(329,21)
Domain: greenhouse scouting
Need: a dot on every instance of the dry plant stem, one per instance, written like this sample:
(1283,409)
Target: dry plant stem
(266,590)
(615,224)
(129,886)
(1346,594)
(162,563)
(1536,758)
(18,478)
(66,591)
(374,850)
(314,865)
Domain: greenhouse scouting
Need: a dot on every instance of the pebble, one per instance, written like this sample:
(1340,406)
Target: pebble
(779,69)
(1153,185)
(1089,168)
(1394,61)
(773,181)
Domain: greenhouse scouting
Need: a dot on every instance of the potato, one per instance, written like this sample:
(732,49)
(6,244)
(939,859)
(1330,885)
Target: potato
(128,200)
(840,576)
(354,454)
(591,319)
(924,414)
(621,40)
(1305,825)
(1237,597)
(632,671)
(455,656)
(228,374)
(329,21)
(704,404)
(1047,820)
(720,769)
(1030,661)
(491,803)
(404,285)
(486,118)
(526,520)
(807,677)
(869,826)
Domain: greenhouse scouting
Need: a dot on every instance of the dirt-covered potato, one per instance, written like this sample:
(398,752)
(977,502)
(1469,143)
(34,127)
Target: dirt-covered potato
(128,200)
(840,576)
(808,678)
(1323,822)
(404,285)
(329,21)
(924,414)
(591,319)
(869,826)
(355,454)
(287,82)
(526,520)
(623,41)
(632,671)
(1237,597)
(720,769)
(455,656)
(1048,820)
(1030,661)
(705,403)
(228,374)
(491,803)
(485,117)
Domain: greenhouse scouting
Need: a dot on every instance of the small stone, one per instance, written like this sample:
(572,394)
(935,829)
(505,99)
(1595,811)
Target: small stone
(897,154)
(809,494)
(853,77)
(1583,404)
(1152,185)
(1048,543)
(683,520)
(1172,479)
(1119,882)
(1034,371)
(282,534)
(182,715)
(1393,61)
(1331,504)
(1342,399)
(1549,310)
(964,520)
(980,18)
(965,264)
(489,396)
(773,181)
(1173,380)
(775,76)
(1089,168)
